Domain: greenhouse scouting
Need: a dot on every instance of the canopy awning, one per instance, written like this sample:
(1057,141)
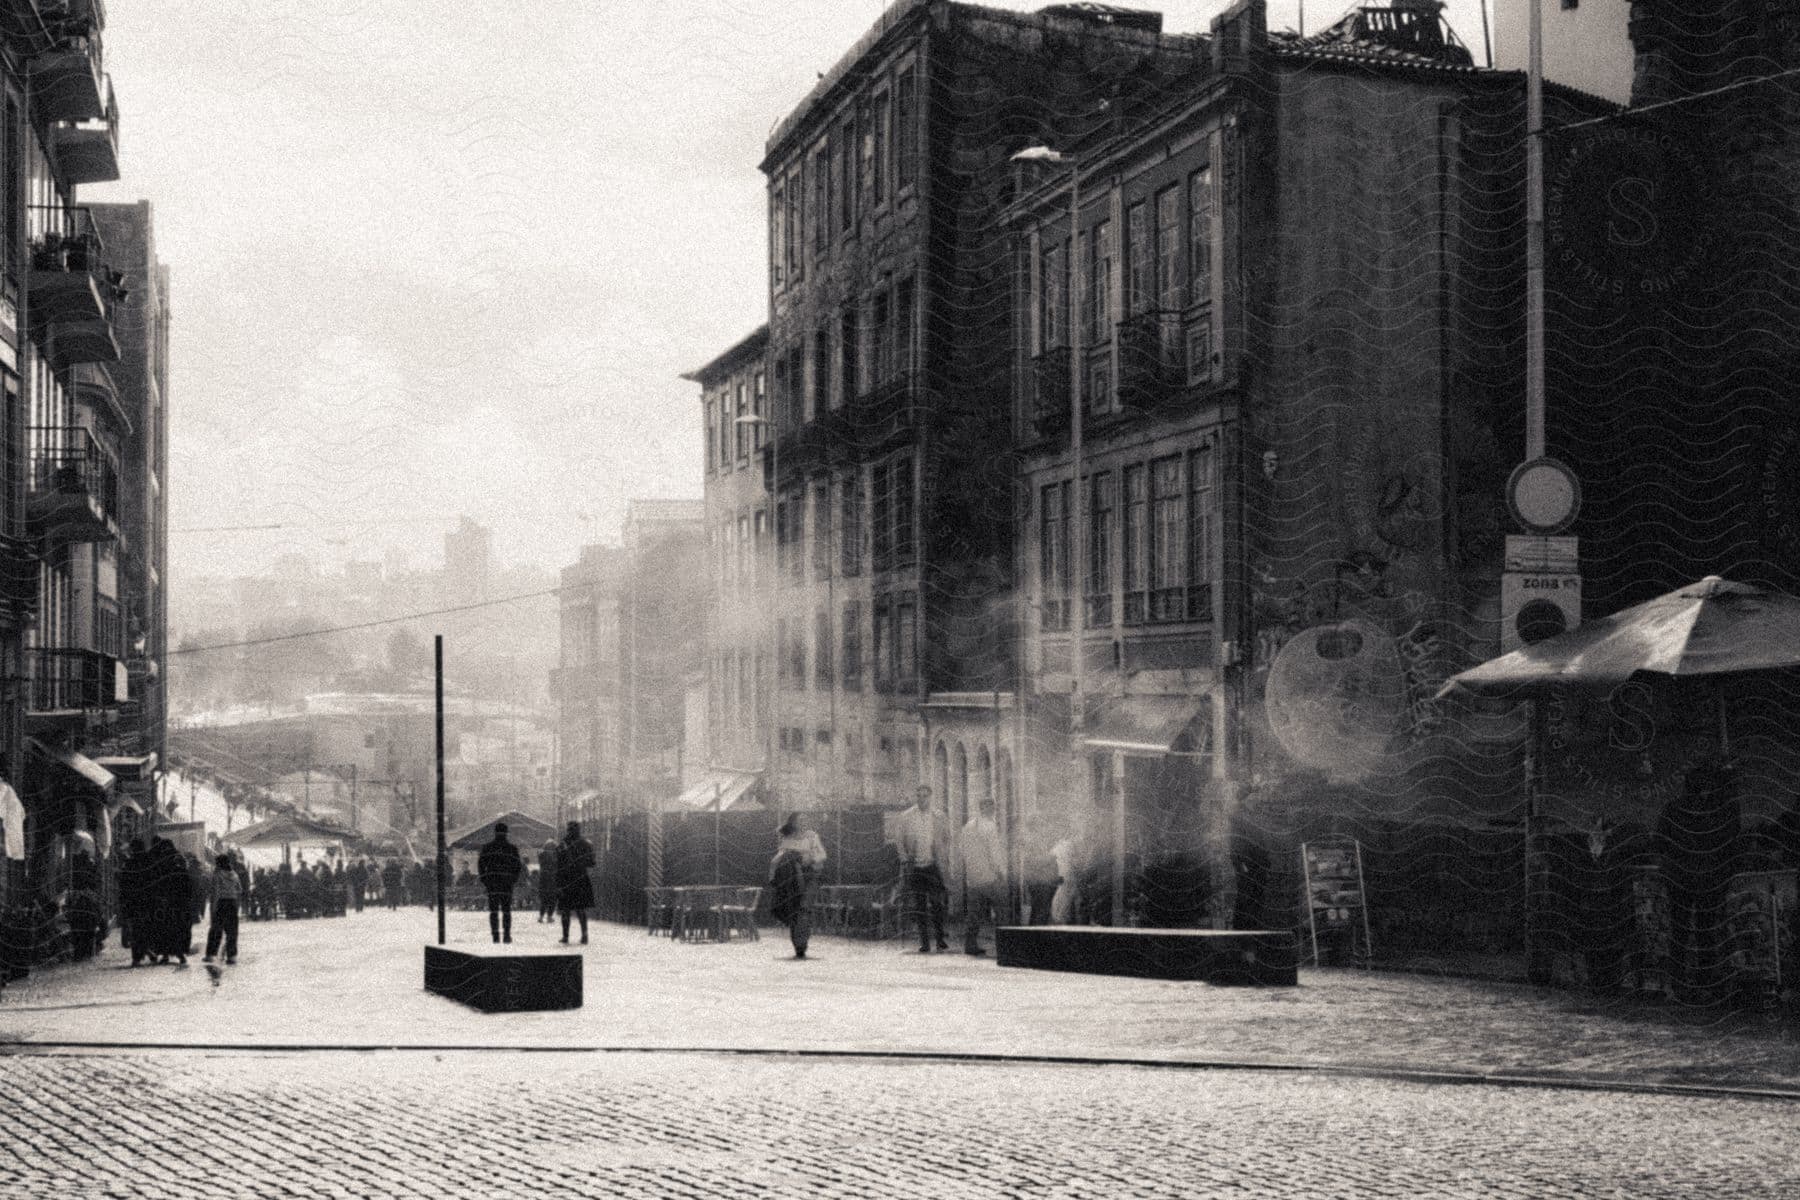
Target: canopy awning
(521,830)
(125,802)
(91,772)
(723,788)
(291,829)
(1149,724)
(133,767)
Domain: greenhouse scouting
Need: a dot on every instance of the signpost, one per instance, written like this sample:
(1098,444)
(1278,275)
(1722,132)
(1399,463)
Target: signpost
(443,863)
(1332,870)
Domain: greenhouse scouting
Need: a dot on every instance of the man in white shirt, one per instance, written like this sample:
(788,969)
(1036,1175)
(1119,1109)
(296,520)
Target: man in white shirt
(918,839)
(984,875)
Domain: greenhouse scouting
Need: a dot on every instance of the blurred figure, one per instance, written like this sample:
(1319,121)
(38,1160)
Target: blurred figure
(574,890)
(359,882)
(547,882)
(393,877)
(984,875)
(921,844)
(132,901)
(798,856)
(83,909)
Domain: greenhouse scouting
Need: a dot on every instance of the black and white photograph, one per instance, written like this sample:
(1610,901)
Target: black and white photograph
(1003,600)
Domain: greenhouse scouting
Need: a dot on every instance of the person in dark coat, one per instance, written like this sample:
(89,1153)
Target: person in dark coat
(198,888)
(393,881)
(171,902)
(547,882)
(499,867)
(359,882)
(84,911)
(798,857)
(133,904)
(574,890)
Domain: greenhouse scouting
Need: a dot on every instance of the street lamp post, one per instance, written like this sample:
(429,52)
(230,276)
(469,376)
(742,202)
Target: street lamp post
(1077,599)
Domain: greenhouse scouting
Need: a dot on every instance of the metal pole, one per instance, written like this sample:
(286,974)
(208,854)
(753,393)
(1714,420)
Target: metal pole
(1534,238)
(438,656)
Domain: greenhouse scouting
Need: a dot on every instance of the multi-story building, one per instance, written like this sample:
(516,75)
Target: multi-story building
(468,553)
(889,293)
(661,611)
(733,388)
(585,683)
(135,748)
(1267,397)
(66,427)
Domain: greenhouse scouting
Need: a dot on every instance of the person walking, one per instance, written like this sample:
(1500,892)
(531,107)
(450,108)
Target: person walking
(133,902)
(171,899)
(227,891)
(359,882)
(499,867)
(798,856)
(197,877)
(392,880)
(984,876)
(574,890)
(919,843)
(547,882)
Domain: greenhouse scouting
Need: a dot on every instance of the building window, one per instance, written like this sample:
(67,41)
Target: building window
(1200,236)
(847,176)
(1136,546)
(821,209)
(901,483)
(1101,503)
(1168,248)
(1200,533)
(777,236)
(1137,259)
(759,406)
(1053,554)
(761,550)
(850,526)
(742,427)
(1053,319)
(849,372)
(821,532)
(865,180)
(796,563)
(822,667)
(796,650)
(743,552)
(883,321)
(782,665)
(796,225)
(1168,540)
(906,128)
(1098,298)
(712,434)
(878,168)
(821,371)
(853,646)
(884,646)
(906,644)
(904,318)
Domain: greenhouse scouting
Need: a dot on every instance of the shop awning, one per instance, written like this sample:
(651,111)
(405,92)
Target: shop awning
(521,830)
(1148,724)
(124,802)
(96,775)
(725,788)
(130,767)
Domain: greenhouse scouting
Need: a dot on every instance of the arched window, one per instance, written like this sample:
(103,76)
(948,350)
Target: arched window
(959,805)
(941,759)
(983,781)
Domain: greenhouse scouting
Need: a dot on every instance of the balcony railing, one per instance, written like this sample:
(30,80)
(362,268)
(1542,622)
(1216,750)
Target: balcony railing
(1152,358)
(65,680)
(88,151)
(66,57)
(72,288)
(74,485)
(892,410)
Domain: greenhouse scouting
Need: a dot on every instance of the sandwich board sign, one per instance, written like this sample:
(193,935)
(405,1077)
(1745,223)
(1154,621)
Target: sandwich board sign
(1333,875)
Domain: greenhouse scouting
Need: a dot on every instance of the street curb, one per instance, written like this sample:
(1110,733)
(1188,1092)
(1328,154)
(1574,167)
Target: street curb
(1420,1075)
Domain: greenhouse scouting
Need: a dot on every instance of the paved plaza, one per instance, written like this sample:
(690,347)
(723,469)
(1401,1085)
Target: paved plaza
(319,1066)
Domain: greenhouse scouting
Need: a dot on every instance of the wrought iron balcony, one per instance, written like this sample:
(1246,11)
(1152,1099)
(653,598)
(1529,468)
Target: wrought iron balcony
(66,57)
(88,151)
(1152,361)
(893,410)
(65,681)
(19,565)
(74,486)
(72,289)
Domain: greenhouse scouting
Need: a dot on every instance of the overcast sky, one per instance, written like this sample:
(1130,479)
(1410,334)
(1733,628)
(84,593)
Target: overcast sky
(434,257)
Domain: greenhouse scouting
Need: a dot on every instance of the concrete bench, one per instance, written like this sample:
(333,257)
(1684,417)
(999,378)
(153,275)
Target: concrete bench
(1260,957)
(504,978)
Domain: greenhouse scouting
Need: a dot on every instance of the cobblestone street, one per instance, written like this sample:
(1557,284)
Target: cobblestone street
(180,1124)
(357,981)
